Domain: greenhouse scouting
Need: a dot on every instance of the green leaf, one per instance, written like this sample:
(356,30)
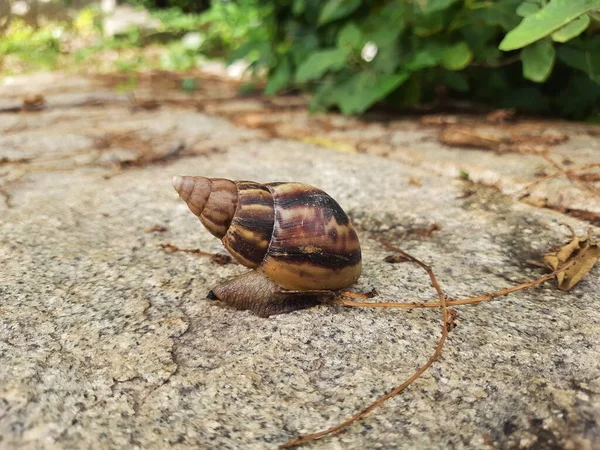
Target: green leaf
(364,89)
(320,62)
(538,60)
(556,14)
(457,57)
(572,29)
(586,61)
(350,38)
(431,6)
(455,80)
(298,7)
(323,96)
(422,60)
(497,13)
(387,59)
(429,25)
(280,78)
(336,9)
(527,8)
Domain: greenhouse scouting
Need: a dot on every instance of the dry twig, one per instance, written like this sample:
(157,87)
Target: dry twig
(447,325)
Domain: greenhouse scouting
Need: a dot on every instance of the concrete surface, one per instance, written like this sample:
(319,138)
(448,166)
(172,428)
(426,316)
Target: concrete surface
(107,341)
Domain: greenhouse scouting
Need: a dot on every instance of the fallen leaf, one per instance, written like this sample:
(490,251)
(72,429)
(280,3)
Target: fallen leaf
(333,145)
(149,104)
(156,229)
(465,194)
(580,248)
(394,259)
(588,177)
(461,136)
(538,202)
(34,103)
(427,231)
(567,162)
(438,119)
(501,115)
(414,182)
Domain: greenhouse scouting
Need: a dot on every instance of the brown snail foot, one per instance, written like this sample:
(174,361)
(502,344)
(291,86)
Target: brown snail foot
(255,292)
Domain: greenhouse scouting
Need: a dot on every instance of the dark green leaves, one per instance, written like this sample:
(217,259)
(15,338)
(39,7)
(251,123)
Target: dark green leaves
(319,63)
(279,78)
(362,90)
(352,54)
(431,6)
(350,38)
(336,9)
(584,59)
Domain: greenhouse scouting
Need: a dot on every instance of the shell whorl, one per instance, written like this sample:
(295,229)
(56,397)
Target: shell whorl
(212,200)
(248,237)
(313,245)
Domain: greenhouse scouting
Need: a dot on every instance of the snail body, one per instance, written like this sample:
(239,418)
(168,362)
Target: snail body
(297,240)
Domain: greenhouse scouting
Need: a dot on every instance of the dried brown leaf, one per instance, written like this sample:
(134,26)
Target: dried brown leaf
(501,115)
(538,202)
(438,119)
(589,177)
(34,103)
(462,136)
(581,248)
(156,229)
(394,259)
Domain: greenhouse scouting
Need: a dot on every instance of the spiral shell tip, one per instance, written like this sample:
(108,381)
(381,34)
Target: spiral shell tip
(177,182)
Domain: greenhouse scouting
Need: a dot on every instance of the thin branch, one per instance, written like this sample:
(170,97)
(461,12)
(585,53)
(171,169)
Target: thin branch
(465,301)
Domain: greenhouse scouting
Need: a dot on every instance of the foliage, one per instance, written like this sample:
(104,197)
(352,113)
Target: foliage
(539,56)
(180,42)
(187,6)
(40,45)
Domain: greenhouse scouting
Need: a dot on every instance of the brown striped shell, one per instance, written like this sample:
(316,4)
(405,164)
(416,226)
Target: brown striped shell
(295,234)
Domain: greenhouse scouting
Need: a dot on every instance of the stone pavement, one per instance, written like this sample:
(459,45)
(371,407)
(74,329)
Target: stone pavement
(107,341)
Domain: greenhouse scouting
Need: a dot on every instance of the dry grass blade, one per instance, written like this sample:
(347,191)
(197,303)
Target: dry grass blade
(447,324)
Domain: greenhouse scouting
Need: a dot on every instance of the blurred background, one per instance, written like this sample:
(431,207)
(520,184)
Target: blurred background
(539,57)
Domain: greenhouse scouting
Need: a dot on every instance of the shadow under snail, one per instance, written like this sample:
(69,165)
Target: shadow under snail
(297,240)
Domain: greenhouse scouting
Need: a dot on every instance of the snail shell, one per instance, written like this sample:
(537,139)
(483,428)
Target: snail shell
(294,234)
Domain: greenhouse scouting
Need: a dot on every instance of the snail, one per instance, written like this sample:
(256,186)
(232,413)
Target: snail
(297,240)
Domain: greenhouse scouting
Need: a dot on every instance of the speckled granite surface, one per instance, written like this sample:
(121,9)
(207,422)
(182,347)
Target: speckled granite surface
(107,341)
